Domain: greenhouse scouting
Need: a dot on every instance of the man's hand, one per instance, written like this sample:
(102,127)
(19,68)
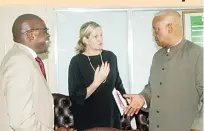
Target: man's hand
(136,103)
(62,129)
(194,130)
(72,129)
(65,129)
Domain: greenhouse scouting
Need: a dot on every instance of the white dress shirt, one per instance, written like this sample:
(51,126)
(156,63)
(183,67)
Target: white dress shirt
(30,50)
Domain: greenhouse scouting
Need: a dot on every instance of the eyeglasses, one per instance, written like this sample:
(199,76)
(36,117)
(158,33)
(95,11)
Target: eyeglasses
(39,29)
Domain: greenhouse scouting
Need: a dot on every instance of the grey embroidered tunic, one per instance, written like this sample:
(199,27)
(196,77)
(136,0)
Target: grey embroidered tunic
(175,89)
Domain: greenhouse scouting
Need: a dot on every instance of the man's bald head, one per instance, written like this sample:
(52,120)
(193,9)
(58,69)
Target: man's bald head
(22,24)
(168,29)
(169,16)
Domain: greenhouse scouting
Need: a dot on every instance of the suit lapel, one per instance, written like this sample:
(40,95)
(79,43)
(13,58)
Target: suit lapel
(23,49)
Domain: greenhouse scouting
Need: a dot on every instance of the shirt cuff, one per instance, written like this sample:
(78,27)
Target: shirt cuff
(145,104)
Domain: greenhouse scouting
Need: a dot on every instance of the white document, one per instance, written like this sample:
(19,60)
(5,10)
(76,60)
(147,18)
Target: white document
(120,101)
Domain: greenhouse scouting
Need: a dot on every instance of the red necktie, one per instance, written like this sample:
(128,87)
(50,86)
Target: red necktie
(41,66)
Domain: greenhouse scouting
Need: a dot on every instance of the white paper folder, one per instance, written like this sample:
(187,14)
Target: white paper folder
(120,101)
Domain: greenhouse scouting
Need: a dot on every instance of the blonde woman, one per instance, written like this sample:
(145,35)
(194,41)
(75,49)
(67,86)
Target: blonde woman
(93,74)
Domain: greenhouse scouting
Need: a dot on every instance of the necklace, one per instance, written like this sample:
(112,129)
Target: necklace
(92,65)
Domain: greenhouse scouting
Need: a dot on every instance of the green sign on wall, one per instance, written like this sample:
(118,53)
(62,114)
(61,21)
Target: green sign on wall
(197,30)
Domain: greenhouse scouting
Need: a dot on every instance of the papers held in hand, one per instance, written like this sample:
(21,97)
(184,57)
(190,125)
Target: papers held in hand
(120,101)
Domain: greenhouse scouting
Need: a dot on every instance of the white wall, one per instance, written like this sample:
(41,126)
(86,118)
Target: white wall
(114,26)
(127,33)
(144,48)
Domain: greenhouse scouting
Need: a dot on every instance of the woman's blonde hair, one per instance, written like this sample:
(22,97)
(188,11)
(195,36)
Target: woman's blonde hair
(85,31)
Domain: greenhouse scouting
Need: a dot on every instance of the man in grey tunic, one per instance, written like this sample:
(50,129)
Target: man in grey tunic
(174,93)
